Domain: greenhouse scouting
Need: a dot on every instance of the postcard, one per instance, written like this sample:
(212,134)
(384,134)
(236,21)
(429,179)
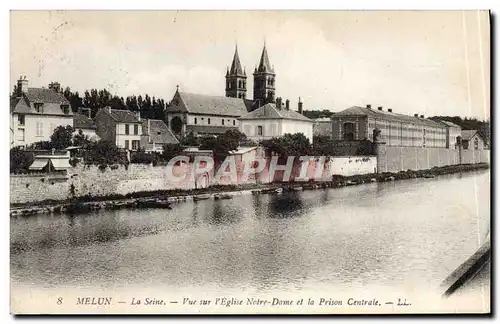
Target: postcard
(250,162)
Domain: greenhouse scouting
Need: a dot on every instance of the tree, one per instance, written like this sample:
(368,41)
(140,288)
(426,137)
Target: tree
(81,139)
(190,140)
(170,151)
(20,160)
(289,145)
(223,144)
(62,137)
(103,153)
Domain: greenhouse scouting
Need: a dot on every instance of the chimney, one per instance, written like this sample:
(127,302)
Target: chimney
(300,106)
(22,86)
(56,86)
(278,103)
(138,115)
(287,104)
(108,109)
(369,106)
(380,108)
(422,116)
(415,115)
(389,110)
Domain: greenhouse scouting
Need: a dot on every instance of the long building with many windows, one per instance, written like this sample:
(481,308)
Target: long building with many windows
(358,123)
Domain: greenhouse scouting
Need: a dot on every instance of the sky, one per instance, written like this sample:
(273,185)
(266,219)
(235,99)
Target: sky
(425,62)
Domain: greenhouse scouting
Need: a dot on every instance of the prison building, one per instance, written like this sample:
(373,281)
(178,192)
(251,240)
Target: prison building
(358,123)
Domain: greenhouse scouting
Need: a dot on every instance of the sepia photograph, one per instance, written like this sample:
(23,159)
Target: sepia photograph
(250,162)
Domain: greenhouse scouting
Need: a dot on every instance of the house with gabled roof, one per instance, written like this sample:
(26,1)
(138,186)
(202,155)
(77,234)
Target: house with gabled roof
(275,120)
(155,135)
(472,139)
(122,127)
(36,112)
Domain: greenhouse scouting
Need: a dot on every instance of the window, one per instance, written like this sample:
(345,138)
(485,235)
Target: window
(127,144)
(20,120)
(39,128)
(195,120)
(348,132)
(136,129)
(240,84)
(20,134)
(127,130)
(135,145)
(39,107)
(234,122)
(260,130)
(209,121)
(222,121)
(65,109)
(476,144)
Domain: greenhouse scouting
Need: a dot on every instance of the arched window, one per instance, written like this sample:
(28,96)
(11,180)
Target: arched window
(349,132)
(195,120)
(176,124)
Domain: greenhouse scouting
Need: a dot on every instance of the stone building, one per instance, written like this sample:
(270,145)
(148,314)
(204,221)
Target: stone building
(453,131)
(275,120)
(322,127)
(122,127)
(358,123)
(36,112)
(472,140)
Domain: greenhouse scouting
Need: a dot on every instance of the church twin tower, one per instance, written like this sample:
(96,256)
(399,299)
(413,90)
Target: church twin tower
(263,80)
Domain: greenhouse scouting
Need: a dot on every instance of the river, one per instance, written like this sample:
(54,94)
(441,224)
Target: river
(402,235)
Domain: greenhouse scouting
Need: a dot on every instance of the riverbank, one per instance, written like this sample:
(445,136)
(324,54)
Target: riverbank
(164,198)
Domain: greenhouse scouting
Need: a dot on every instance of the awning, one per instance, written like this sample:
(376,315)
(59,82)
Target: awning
(39,164)
(60,164)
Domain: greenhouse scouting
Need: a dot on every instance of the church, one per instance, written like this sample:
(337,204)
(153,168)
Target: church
(212,115)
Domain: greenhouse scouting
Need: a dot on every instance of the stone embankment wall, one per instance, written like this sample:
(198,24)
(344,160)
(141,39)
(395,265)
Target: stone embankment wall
(398,159)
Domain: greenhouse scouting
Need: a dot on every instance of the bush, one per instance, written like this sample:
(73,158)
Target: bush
(20,160)
(141,157)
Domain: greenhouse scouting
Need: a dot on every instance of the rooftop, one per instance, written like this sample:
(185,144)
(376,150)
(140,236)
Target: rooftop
(207,105)
(121,116)
(82,121)
(386,115)
(269,111)
(158,132)
(51,100)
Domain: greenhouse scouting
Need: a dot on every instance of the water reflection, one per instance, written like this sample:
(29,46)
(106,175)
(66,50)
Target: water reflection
(286,205)
(393,233)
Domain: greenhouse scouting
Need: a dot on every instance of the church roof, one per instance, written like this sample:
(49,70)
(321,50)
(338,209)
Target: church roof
(236,65)
(264,65)
(269,111)
(207,105)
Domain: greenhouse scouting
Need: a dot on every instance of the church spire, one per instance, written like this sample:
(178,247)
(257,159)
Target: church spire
(264,65)
(236,65)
